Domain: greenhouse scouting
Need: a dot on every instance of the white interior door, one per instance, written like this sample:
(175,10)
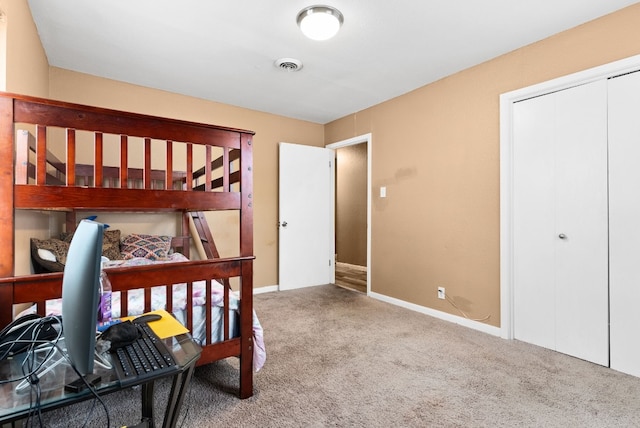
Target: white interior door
(306,216)
(624,221)
(560,222)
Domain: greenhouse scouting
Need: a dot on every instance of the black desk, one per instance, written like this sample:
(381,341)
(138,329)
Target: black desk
(15,405)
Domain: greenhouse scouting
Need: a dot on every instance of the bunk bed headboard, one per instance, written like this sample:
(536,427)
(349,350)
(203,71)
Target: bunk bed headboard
(223,180)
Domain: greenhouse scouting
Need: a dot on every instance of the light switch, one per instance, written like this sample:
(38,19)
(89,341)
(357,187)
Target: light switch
(383,192)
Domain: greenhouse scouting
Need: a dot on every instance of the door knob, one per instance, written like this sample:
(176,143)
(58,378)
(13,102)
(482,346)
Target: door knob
(284,224)
(562,236)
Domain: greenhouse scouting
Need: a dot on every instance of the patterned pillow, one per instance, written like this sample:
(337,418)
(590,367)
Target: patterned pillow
(152,247)
(49,255)
(110,243)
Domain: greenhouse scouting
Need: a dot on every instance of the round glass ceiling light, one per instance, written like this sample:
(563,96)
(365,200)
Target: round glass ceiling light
(320,22)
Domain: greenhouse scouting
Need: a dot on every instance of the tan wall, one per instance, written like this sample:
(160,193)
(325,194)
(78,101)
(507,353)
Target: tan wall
(351,204)
(26,63)
(3,48)
(437,151)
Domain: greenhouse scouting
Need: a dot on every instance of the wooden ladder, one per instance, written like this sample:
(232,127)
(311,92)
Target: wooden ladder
(204,234)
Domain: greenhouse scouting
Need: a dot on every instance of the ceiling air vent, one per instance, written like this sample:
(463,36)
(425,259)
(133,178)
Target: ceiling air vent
(288,64)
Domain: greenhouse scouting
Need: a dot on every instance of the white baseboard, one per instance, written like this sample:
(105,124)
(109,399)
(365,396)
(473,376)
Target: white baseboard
(267,289)
(485,328)
(465,322)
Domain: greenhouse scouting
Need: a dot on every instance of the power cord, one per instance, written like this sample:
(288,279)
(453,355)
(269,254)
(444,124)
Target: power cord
(29,340)
(186,411)
(30,367)
(450,300)
(33,363)
(91,388)
(34,410)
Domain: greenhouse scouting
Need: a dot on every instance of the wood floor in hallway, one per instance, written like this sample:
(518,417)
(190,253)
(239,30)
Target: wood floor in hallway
(351,276)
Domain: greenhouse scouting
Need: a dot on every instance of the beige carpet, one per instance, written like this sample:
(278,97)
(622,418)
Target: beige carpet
(338,358)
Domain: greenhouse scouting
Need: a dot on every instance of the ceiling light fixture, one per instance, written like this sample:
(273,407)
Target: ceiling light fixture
(320,22)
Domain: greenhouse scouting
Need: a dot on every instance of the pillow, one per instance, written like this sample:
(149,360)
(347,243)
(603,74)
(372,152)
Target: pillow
(110,243)
(152,247)
(49,255)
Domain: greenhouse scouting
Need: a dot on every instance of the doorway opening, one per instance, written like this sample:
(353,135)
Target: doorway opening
(353,213)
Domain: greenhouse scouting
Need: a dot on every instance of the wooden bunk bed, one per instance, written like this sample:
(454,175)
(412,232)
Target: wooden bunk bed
(33,179)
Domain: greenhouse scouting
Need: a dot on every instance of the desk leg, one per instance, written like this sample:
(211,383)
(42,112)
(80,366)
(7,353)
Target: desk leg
(176,396)
(147,403)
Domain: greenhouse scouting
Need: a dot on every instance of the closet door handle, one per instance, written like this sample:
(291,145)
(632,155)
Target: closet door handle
(562,236)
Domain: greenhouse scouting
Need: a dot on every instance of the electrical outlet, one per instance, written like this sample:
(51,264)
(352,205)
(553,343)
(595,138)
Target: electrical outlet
(441,293)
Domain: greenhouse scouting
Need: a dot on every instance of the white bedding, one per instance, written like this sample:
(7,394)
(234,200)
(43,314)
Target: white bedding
(158,301)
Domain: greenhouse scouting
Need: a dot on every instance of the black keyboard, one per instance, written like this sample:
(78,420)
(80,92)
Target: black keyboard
(147,357)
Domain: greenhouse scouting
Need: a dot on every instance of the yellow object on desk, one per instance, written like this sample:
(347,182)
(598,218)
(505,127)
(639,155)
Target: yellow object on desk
(168,326)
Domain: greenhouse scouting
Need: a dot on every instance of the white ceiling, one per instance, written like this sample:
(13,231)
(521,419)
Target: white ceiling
(225,50)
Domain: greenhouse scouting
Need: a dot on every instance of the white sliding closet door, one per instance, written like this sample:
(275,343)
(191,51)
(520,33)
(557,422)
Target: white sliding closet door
(624,218)
(534,215)
(560,222)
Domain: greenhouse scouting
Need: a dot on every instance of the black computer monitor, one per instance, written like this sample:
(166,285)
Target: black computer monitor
(80,294)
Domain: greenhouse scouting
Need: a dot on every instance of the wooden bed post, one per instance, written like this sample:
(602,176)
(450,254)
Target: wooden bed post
(7,236)
(246,325)
(71,221)
(246,188)
(246,249)
(185,232)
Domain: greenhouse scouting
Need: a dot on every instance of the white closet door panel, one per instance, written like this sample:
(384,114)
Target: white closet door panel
(582,275)
(560,182)
(534,218)
(624,217)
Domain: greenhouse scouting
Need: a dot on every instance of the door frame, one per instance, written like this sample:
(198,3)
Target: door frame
(365,138)
(507,100)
